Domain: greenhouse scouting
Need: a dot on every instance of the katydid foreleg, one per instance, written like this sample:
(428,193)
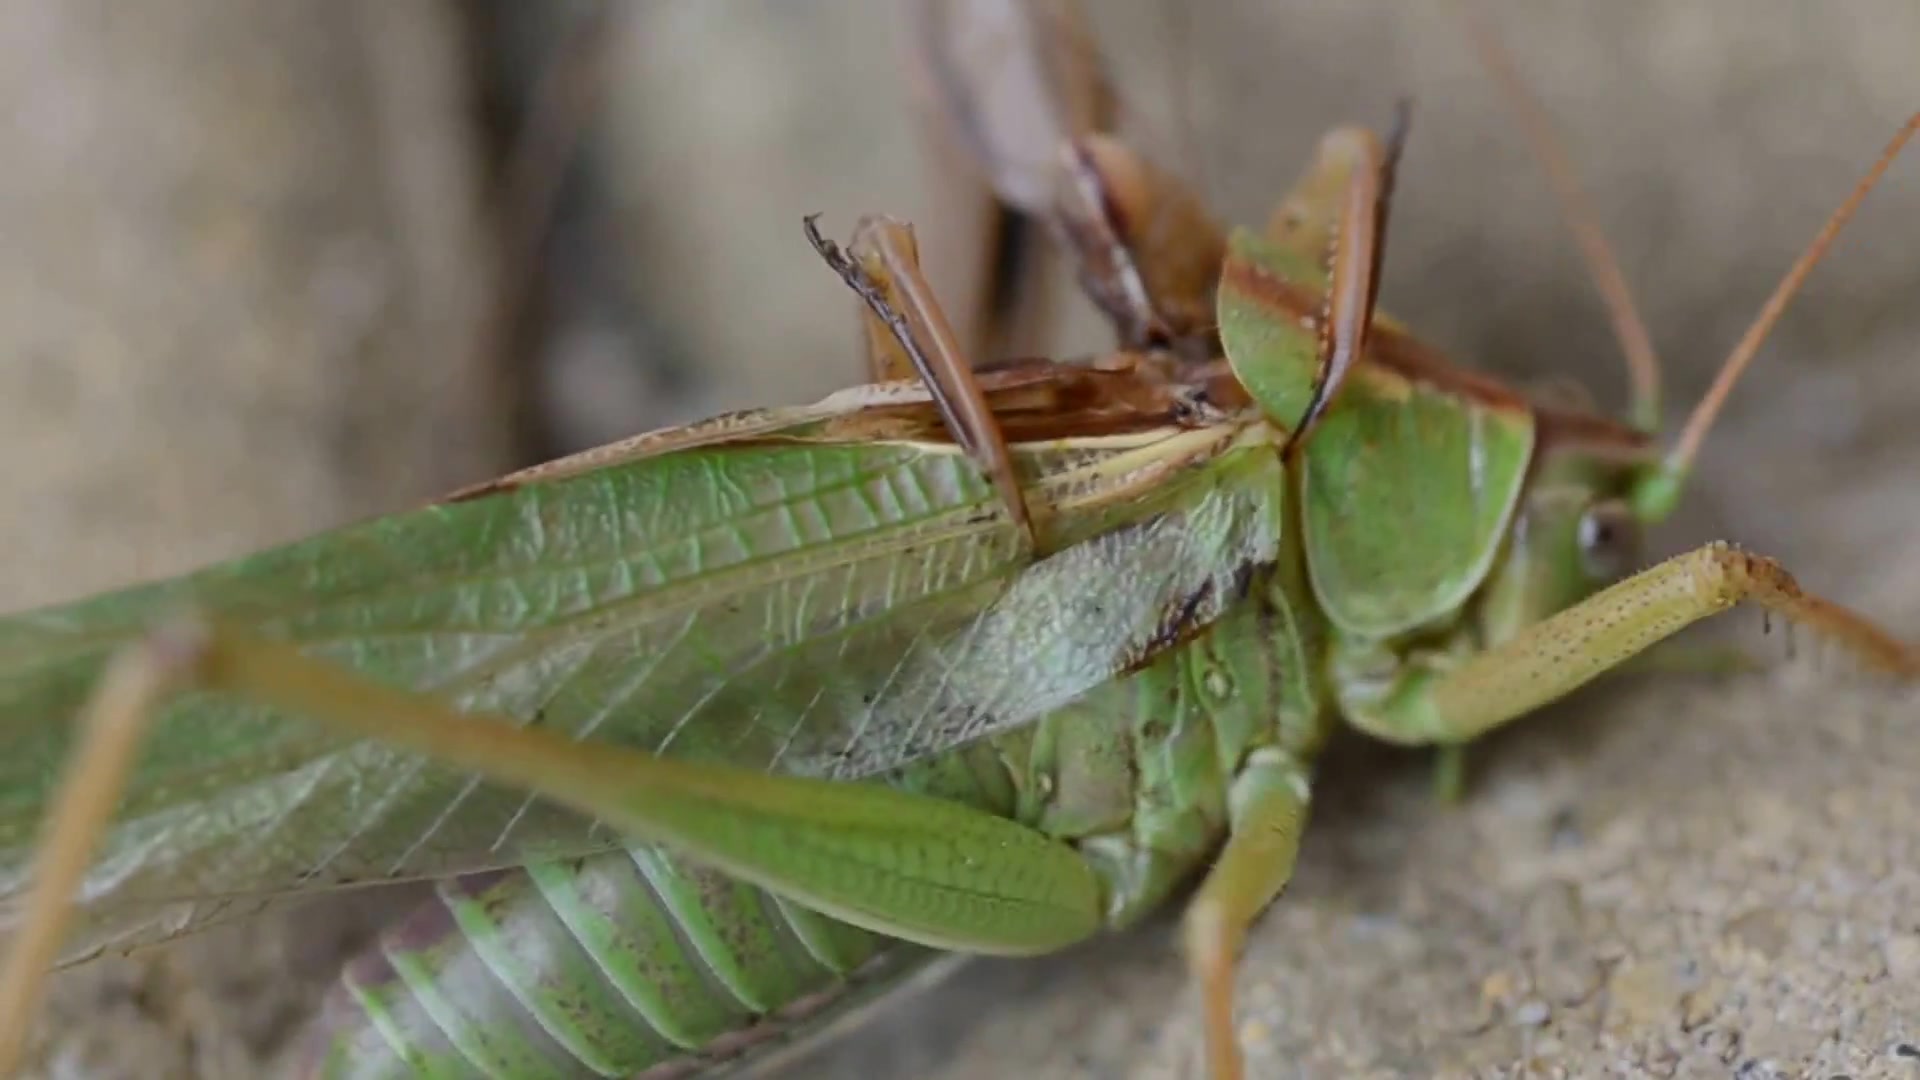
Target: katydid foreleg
(1451,700)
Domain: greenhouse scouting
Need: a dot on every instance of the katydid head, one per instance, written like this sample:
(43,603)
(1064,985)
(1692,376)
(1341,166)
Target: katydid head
(1596,486)
(1656,492)
(1575,531)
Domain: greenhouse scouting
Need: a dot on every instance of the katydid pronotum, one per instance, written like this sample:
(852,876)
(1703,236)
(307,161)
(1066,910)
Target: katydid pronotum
(1181,467)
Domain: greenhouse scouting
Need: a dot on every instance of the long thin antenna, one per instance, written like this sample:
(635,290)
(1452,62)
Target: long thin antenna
(1688,444)
(1643,364)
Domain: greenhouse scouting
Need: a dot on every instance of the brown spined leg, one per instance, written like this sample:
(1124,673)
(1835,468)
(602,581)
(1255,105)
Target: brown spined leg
(884,271)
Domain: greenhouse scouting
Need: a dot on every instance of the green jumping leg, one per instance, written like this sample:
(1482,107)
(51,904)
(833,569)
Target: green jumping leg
(911,866)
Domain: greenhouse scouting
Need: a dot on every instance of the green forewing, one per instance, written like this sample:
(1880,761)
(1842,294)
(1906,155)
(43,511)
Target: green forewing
(816,608)
(1407,484)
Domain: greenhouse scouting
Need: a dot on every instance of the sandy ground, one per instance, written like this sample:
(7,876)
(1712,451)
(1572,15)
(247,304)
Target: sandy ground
(1668,876)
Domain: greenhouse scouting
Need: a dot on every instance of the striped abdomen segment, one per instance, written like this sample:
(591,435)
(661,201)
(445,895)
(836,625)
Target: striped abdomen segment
(628,963)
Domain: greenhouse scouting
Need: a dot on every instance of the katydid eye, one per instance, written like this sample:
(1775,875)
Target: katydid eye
(1609,540)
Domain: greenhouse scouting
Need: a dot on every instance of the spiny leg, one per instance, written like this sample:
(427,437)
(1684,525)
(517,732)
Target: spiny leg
(911,866)
(885,273)
(1268,810)
(1557,655)
(1657,492)
(1022,89)
(1149,253)
(889,358)
(1356,247)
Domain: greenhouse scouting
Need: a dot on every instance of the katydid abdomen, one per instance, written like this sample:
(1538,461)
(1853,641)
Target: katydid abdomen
(605,966)
(640,962)
(601,967)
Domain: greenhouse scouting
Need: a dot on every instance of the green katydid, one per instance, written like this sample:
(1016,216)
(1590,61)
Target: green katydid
(840,592)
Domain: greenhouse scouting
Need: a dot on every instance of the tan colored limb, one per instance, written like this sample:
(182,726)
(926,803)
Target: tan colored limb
(887,357)
(1149,253)
(112,725)
(1269,814)
(884,271)
(1668,657)
(1560,653)
(1001,88)
(1023,93)
(1357,248)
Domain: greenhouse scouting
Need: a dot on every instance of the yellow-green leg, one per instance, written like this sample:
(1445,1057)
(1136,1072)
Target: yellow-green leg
(1562,652)
(1268,812)
(911,866)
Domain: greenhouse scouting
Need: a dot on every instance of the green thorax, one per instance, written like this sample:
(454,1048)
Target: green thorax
(1440,511)
(1409,483)
(1139,774)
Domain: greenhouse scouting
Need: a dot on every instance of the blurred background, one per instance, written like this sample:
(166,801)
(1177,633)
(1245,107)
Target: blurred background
(270,267)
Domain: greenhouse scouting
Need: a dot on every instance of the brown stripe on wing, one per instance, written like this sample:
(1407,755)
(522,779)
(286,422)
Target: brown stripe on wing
(1391,351)
(1035,400)
(1042,400)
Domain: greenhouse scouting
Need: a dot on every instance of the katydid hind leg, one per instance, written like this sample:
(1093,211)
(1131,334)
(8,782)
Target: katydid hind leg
(1268,815)
(1564,651)
(932,872)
